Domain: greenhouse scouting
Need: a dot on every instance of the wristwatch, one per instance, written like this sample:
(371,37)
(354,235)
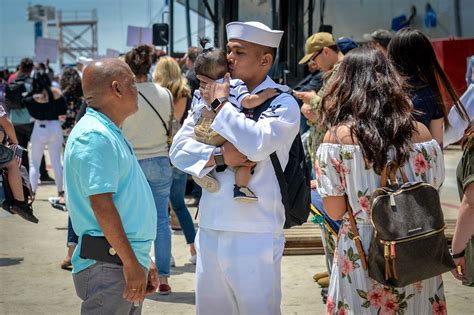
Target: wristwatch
(218,102)
(458,255)
(219,157)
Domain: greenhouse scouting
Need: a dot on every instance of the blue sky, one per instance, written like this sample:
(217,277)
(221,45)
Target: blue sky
(17,34)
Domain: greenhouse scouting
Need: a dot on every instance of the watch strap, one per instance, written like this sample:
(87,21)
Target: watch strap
(458,255)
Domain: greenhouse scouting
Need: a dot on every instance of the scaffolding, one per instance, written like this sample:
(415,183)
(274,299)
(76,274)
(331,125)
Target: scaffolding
(77,34)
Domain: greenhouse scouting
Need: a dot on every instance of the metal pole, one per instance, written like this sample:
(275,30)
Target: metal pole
(188,23)
(216,23)
(201,19)
(310,17)
(171,44)
(457,18)
(274,15)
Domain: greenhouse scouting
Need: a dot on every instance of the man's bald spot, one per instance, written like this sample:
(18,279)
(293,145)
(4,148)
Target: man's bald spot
(98,77)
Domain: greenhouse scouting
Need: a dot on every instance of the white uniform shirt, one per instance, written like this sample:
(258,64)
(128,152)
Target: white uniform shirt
(275,130)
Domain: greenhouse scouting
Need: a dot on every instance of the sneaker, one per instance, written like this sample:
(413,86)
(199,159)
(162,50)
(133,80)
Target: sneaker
(172,262)
(54,201)
(208,182)
(164,289)
(193,259)
(25,211)
(46,179)
(244,194)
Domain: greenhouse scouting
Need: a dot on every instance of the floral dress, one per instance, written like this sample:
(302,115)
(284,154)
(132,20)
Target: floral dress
(340,170)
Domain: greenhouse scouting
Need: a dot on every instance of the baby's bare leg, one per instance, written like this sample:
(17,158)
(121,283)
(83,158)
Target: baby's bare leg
(242,175)
(14,179)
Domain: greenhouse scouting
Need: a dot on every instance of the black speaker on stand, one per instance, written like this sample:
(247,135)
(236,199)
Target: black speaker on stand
(160,34)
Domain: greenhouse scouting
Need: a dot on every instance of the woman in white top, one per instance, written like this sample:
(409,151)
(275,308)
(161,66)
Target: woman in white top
(168,74)
(148,136)
(370,121)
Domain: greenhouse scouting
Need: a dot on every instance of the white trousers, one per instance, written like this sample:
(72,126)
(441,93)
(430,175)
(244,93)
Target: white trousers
(238,273)
(46,133)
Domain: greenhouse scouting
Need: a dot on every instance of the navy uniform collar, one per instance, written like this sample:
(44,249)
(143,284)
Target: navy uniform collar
(267,83)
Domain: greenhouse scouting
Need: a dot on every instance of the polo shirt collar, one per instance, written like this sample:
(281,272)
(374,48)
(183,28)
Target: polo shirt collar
(103,119)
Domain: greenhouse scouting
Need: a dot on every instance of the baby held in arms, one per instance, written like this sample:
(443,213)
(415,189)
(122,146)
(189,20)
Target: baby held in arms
(212,63)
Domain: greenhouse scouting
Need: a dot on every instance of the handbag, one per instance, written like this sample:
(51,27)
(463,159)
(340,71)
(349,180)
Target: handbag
(408,242)
(173,125)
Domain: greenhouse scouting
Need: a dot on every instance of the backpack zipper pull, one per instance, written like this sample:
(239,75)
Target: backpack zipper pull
(386,254)
(392,200)
(393,256)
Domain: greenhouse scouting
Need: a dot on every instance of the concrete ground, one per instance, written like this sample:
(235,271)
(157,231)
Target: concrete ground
(31,281)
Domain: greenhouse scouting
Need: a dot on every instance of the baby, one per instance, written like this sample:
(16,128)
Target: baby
(212,63)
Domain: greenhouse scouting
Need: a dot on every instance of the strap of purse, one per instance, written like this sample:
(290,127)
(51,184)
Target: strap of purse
(162,121)
(355,231)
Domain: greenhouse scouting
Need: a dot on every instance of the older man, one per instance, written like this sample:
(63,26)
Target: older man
(240,245)
(108,196)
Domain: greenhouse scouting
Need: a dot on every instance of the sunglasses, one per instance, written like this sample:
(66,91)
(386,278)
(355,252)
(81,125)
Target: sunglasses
(316,55)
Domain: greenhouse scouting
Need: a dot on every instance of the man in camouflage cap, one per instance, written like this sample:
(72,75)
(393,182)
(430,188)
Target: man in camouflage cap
(321,48)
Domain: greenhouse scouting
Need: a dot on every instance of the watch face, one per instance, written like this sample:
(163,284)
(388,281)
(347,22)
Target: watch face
(215,103)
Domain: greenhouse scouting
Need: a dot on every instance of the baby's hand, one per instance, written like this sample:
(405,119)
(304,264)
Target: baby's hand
(269,93)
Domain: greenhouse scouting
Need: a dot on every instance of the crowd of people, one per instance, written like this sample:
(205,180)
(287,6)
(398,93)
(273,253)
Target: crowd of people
(129,131)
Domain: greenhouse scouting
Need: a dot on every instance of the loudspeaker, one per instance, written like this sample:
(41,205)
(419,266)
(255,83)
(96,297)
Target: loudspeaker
(160,34)
(325,28)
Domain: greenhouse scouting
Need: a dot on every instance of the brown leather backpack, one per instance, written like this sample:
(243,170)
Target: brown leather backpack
(408,243)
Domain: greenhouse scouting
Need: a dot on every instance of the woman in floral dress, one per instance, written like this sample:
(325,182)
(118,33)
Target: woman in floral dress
(370,122)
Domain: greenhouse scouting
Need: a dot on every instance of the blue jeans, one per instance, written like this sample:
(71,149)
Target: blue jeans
(157,171)
(178,189)
(72,238)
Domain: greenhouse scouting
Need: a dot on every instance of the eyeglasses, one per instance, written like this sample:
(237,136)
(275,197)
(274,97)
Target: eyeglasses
(316,56)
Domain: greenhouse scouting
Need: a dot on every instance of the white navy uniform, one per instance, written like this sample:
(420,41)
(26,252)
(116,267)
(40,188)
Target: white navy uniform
(240,245)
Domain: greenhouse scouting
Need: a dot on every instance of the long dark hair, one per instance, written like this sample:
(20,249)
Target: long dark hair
(71,83)
(367,95)
(413,56)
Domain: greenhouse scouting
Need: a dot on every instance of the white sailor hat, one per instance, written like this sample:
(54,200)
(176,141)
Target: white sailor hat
(254,32)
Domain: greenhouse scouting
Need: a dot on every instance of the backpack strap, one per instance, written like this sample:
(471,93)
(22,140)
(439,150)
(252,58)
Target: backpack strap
(281,181)
(352,221)
(355,231)
(280,175)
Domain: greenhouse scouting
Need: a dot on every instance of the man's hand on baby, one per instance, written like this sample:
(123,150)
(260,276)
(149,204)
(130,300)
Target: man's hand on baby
(210,89)
(232,157)
(269,93)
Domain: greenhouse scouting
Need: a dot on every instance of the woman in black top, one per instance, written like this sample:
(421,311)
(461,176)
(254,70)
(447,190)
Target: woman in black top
(413,56)
(46,105)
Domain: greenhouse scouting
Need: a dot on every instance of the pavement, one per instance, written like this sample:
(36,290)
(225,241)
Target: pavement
(31,281)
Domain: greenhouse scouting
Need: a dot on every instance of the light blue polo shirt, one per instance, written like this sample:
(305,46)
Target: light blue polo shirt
(98,159)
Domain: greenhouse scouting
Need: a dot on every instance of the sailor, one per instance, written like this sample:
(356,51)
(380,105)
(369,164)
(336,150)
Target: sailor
(240,246)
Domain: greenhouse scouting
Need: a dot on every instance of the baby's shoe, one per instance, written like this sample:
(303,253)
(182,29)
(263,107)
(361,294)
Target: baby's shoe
(208,182)
(244,194)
